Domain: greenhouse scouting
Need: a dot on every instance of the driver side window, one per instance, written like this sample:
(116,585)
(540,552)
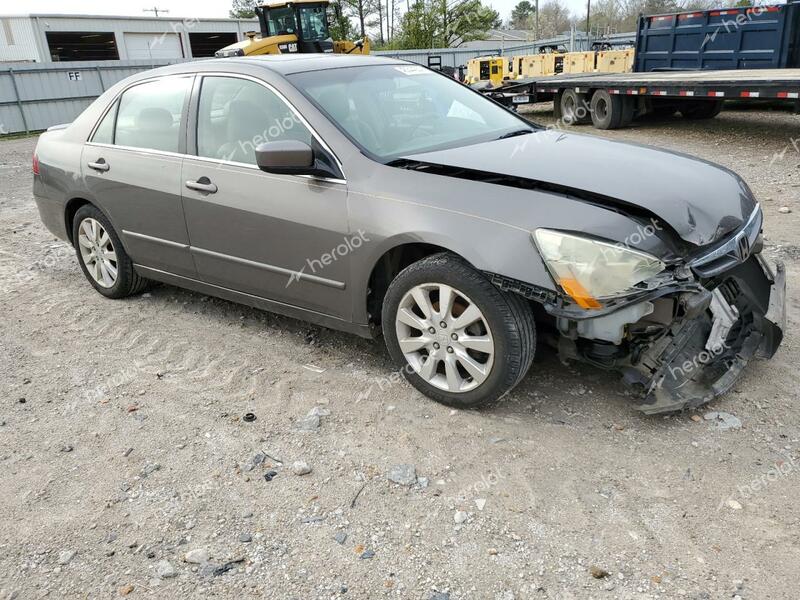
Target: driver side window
(236,115)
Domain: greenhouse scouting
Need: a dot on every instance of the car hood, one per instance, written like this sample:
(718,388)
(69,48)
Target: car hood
(701,201)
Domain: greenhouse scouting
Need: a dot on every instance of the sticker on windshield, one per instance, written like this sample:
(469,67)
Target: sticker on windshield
(412,70)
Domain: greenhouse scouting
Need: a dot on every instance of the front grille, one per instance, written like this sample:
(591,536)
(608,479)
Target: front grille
(730,290)
(736,249)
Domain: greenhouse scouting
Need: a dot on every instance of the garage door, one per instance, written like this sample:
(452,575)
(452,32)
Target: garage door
(153,45)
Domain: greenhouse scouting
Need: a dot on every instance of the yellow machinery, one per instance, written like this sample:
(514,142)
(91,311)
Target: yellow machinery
(615,61)
(493,69)
(536,65)
(297,26)
(516,67)
(579,62)
(528,66)
(497,69)
(553,63)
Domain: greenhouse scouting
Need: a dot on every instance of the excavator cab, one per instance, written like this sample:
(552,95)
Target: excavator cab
(297,26)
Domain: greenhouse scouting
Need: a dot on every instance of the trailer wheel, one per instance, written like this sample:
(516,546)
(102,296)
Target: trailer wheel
(628,110)
(661,108)
(702,109)
(574,108)
(607,110)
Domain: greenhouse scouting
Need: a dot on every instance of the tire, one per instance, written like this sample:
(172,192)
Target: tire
(628,111)
(126,281)
(662,110)
(574,108)
(607,110)
(702,109)
(506,322)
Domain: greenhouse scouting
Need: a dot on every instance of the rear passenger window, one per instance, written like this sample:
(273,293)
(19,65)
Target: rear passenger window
(104,134)
(149,114)
(236,115)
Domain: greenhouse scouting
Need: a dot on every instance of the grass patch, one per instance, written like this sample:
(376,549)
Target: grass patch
(19,136)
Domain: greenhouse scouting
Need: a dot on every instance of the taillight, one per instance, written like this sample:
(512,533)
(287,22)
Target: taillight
(35,164)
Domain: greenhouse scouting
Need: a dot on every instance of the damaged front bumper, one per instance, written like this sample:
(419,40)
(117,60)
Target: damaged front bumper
(702,357)
(718,329)
(686,342)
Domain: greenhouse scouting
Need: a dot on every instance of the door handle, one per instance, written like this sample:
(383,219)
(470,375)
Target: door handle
(202,185)
(100,165)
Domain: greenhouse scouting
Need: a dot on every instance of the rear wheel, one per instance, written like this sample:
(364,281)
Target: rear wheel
(456,337)
(628,110)
(702,109)
(661,108)
(608,110)
(103,260)
(574,108)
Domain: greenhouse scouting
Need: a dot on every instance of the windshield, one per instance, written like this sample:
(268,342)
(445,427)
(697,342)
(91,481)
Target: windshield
(313,23)
(397,110)
(281,21)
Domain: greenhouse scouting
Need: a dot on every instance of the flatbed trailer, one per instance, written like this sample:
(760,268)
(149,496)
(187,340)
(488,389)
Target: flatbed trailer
(613,100)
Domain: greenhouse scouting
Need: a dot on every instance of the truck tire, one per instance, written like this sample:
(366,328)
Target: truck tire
(660,108)
(574,108)
(436,347)
(607,110)
(702,109)
(628,110)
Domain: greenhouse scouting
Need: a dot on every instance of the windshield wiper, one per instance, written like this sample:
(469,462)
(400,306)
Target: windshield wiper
(515,133)
(405,163)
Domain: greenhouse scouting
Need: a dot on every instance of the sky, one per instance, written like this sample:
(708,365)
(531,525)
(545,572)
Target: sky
(193,8)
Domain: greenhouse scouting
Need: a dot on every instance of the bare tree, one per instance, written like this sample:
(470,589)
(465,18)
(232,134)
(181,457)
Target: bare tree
(554,19)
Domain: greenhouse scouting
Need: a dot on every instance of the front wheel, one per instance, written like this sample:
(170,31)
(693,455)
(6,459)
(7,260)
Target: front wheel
(455,336)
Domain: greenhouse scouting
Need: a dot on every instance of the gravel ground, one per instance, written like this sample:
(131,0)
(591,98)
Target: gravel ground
(129,468)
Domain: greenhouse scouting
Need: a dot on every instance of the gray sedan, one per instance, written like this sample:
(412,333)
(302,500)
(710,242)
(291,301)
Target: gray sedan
(372,195)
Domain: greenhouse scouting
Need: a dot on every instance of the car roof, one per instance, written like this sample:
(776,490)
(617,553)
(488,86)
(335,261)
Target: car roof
(280,64)
(286,64)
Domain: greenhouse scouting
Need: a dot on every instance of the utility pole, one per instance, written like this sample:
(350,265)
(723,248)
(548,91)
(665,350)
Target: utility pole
(536,27)
(588,10)
(156,10)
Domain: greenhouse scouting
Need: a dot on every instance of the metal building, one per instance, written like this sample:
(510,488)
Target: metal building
(60,38)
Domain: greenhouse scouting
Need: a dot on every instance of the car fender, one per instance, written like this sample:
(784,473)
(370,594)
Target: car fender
(515,257)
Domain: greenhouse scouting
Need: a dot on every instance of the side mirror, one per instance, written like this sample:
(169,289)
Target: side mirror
(292,157)
(288,157)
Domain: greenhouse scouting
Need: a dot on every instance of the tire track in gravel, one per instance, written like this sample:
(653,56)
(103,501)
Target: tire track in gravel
(78,311)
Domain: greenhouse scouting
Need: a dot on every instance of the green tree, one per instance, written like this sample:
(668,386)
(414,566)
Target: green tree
(378,10)
(522,15)
(468,21)
(417,27)
(243,9)
(361,11)
(439,23)
(339,19)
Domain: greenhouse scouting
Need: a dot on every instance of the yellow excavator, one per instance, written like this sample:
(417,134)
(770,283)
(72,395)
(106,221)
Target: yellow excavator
(298,26)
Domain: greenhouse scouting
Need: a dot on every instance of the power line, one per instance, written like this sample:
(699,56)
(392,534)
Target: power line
(156,10)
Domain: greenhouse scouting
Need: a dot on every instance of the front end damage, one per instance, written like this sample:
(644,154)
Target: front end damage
(688,334)
(686,347)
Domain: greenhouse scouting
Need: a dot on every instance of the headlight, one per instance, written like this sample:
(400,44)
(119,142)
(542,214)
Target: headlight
(589,271)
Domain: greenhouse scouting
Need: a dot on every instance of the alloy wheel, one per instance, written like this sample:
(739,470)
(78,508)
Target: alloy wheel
(445,337)
(97,252)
